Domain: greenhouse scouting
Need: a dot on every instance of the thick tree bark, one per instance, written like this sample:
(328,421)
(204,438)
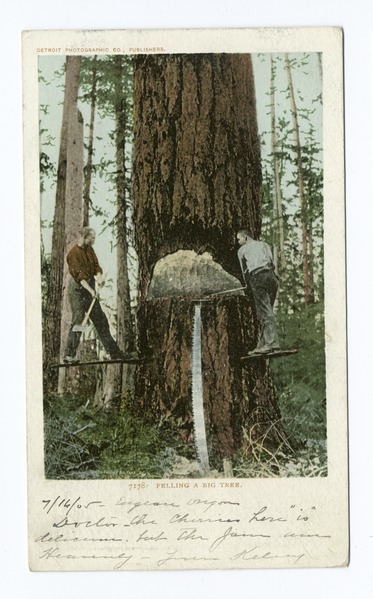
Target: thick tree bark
(196,181)
(197,173)
(66,169)
(240,403)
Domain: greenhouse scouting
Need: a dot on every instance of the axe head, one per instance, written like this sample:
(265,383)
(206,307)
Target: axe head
(79,328)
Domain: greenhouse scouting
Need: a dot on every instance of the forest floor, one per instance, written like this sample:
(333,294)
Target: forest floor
(83,442)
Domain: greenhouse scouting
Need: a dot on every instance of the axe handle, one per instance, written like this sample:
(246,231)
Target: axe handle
(88,313)
(229,290)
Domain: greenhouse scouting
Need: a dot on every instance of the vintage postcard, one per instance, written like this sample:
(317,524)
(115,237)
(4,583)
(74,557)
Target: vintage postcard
(185,280)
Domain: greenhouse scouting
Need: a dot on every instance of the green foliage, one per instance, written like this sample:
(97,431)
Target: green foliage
(304,329)
(45,267)
(300,380)
(81,442)
(64,450)
(303,411)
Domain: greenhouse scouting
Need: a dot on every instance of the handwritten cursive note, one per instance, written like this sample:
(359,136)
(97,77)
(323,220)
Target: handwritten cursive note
(131,531)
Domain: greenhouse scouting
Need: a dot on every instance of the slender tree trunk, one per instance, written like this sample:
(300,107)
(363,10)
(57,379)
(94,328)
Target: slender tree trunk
(88,168)
(196,181)
(310,251)
(303,206)
(118,378)
(310,235)
(278,211)
(73,219)
(125,329)
(61,235)
(319,57)
(88,347)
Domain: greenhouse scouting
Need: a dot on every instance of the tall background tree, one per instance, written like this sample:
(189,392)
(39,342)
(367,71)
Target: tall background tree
(114,100)
(307,277)
(278,218)
(68,212)
(123,119)
(89,164)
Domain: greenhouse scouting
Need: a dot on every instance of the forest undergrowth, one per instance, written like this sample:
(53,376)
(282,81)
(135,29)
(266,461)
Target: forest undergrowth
(83,441)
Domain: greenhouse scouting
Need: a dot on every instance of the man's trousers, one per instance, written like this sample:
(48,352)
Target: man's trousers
(80,300)
(264,289)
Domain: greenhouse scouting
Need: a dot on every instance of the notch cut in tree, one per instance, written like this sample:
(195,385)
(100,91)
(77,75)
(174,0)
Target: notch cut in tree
(196,181)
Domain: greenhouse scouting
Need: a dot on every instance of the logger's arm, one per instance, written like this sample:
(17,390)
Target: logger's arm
(86,286)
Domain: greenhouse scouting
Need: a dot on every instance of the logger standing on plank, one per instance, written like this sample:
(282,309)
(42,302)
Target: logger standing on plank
(258,270)
(85,273)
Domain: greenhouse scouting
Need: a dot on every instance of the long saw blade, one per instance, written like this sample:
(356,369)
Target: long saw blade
(197,393)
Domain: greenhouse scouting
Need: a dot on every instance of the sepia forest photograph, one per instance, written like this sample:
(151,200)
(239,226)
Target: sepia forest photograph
(182,265)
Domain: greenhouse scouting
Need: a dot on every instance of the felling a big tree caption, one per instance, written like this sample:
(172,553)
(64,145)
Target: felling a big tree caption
(196,179)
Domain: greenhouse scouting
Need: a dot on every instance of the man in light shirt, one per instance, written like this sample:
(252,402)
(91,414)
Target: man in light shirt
(258,271)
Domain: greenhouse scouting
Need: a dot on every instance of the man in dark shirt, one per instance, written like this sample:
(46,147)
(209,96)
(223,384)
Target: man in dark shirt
(85,272)
(258,271)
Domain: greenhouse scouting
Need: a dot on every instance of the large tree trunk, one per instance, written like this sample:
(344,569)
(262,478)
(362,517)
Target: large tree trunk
(196,181)
(197,173)
(64,224)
